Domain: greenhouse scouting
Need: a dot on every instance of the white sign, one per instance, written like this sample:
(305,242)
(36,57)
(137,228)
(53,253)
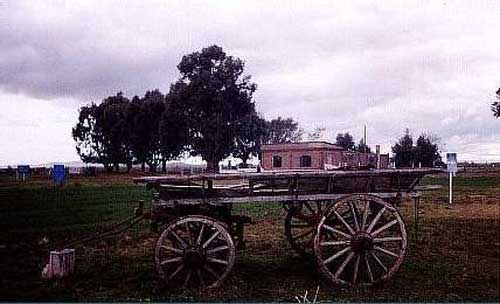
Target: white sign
(451,161)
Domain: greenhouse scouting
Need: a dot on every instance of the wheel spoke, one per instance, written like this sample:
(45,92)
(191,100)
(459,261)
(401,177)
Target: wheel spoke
(379,261)
(333,257)
(385,251)
(387,239)
(337,231)
(369,269)
(172,260)
(355,216)
(211,271)
(356,269)
(300,225)
(179,239)
(344,264)
(211,239)
(334,243)
(188,276)
(217,249)
(303,234)
(200,278)
(365,215)
(171,249)
(375,220)
(309,207)
(218,261)
(175,272)
(386,226)
(344,222)
(200,235)
(188,232)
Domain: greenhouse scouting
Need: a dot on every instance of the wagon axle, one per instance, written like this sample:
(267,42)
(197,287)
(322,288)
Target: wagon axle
(361,243)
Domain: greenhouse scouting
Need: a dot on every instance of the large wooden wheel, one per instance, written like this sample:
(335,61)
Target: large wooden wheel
(194,252)
(300,224)
(361,240)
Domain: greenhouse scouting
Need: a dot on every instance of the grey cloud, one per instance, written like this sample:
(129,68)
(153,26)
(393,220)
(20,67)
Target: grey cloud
(428,66)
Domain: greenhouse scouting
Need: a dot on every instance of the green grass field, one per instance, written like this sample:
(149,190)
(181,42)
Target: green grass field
(455,256)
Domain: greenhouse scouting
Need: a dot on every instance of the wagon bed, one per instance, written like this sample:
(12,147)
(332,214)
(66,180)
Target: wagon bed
(285,186)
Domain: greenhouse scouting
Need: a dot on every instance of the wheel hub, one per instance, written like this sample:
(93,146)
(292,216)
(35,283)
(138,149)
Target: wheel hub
(194,256)
(361,243)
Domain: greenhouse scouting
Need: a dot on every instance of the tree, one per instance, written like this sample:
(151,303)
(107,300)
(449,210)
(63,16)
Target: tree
(495,107)
(281,130)
(252,130)
(362,147)
(404,151)
(427,150)
(345,140)
(101,133)
(113,118)
(173,130)
(90,141)
(213,96)
(145,115)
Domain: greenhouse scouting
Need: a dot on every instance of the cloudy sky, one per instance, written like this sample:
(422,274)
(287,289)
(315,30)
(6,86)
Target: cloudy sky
(430,66)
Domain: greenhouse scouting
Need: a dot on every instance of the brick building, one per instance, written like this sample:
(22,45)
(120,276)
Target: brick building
(316,155)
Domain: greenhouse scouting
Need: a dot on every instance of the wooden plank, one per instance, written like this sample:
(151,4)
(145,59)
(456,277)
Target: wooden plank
(286,174)
(281,198)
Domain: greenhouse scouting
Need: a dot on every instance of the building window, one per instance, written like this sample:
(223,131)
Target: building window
(277,161)
(305,161)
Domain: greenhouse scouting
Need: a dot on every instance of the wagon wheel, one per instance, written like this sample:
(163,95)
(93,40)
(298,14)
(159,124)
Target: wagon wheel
(362,249)
(194,251)
(301,222)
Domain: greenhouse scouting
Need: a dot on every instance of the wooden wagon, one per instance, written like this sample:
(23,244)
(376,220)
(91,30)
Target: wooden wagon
(347,220)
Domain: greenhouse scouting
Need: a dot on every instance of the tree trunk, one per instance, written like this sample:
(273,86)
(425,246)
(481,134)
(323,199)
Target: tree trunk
(143,166)
(244,158)
(163,166)
(212,166)
(117,167)
(129,166)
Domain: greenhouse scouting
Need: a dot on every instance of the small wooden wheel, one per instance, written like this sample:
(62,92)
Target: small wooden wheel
(194,252)
(300,224)
(361,240)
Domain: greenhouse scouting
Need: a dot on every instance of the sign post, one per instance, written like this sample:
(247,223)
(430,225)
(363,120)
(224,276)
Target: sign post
(451,160)
(58,174)
(23,172)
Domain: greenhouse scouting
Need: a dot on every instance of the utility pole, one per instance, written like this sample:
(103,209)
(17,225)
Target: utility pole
(364,139)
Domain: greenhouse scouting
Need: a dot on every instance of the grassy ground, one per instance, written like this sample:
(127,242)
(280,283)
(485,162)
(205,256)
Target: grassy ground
(454,257)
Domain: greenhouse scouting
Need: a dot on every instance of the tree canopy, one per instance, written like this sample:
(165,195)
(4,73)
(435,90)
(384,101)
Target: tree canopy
(252,130)
(404,152)
(495,107)
(362,147)
(214,97)
(101,133)
(425,152)
(345,140)
(283,130)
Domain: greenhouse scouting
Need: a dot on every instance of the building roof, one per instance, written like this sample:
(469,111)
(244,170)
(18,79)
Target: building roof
(307,145)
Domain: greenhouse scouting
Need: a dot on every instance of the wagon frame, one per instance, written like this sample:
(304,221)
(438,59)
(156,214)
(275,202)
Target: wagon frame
(344,219)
